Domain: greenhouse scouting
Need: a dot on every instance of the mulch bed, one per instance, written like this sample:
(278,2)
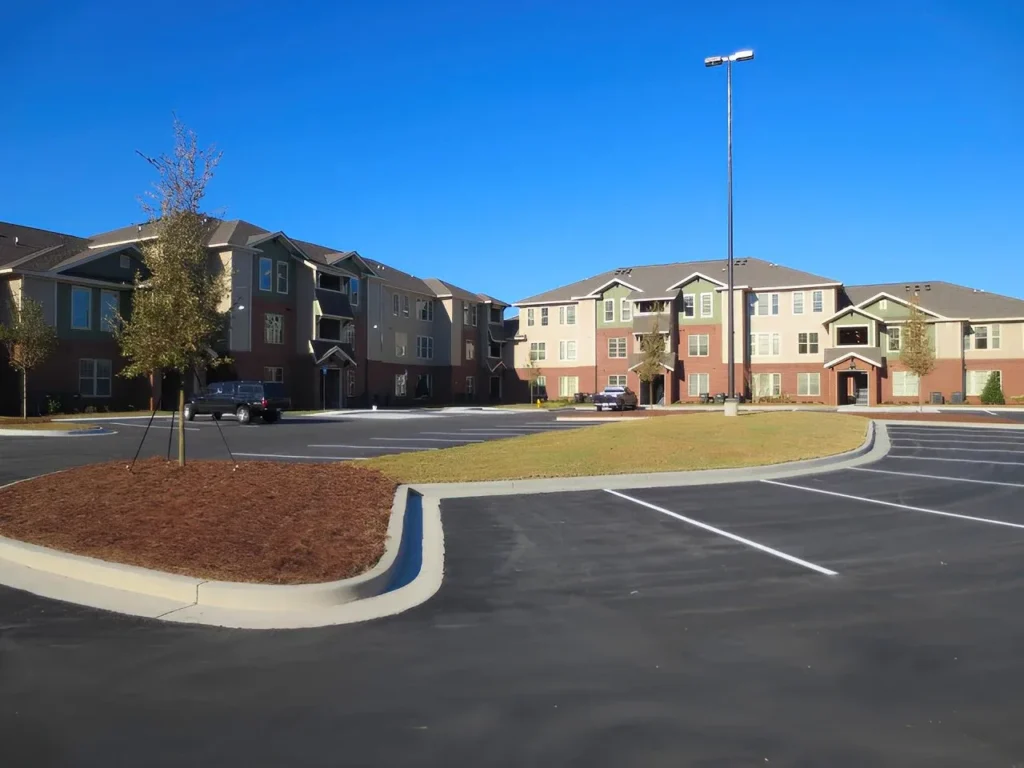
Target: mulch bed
(263,522)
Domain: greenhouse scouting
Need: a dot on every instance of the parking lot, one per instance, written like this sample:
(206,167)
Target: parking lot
(867,616)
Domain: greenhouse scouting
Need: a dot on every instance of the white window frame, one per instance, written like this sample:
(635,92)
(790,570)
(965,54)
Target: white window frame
(544,315)
(530,318)
(269,332)
(975,383)
(405,306)
(807,380)
(424,347)
(904,379)
(567,315)
(401,345)
(865,326)
(689,303)
(348,334)
(78,290)
(774,384)
(396,304)
(709,309)
(993,337)
(470,350)
(470,385)
(401,384)
(771,305)
(798,306)
(568,386)
(899,338)
(772,344)
(567,349)
(614,341)
(697,337)
(538,351)
(626,310)
(883,304)
(617,380)
(350,382)
(807,343)
(353,291)
(609,310)
(109,324)
(273,374)
(817,301)
(268,273)
(95,378)
(693,384)
(279,274)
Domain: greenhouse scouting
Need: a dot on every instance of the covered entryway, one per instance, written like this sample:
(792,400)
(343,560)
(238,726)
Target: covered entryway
(856,375)
(332,362)
(330,387)
(657,386)
(853,387)
(495,390)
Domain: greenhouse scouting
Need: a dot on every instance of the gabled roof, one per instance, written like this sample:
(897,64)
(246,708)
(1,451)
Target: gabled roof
(946,299)
(853,308)
(20,245)
(657,279)
(836,355)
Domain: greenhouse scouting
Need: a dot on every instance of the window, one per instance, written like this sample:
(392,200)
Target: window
(653,307)
(567,315)
(348,335)
(994,337)
(617,347)
(470,350)
(626,311)
(697,384)
(698,345)
(707,307)
(425,347)
(94,377)
(424,385)
(125,261)
(395,302)
(540,386)
(274,374)
(81,307)
(568,386)
(617,380)
(496,316)
(401,344)
(405,306)
(767,303)
(984,337)
(350,382)
(798,302)
(766,384)
(469,314)
(328,282)
(425,309)
(567,350)
(109,302)
(808,384)
(817,303)
(538,351)
(883,304)
(273,328)
(353,291)
(266,273)
(807,343)
(494,349)
(282,277)
(470,385)
(530,320)
(609,310)
(764,344)
(894,338)
(852,336)
(976,381)
(904,384)
(400,384)
(687,305)
(543,315)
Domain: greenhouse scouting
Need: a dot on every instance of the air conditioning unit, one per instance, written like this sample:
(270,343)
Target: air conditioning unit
(936,398)
(957,398)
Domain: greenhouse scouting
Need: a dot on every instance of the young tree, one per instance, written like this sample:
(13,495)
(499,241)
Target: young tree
(175,317)
(992,394)
(29,340)
(533,374)
(652,351)
(916,351)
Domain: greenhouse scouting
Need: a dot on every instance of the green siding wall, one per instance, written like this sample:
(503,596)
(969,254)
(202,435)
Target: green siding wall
(697,287)
(277,254)
(894,310)
(883,341)
(618,293)
(64,329)
(109,268)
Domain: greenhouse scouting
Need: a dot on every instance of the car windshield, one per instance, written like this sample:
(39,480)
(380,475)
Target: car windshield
(614,390)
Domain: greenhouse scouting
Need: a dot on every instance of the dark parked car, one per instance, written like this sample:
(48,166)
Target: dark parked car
(245,399)
(616,398)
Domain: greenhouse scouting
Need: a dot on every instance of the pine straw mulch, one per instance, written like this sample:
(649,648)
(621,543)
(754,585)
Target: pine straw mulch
(265,522)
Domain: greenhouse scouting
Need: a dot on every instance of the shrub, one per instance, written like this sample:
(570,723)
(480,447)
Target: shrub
(90,409)
(992,394)
(52,405)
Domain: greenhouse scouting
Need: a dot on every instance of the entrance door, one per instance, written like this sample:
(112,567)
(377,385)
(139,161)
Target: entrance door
(657,386)
(853,388)
(330,382)
(495,388)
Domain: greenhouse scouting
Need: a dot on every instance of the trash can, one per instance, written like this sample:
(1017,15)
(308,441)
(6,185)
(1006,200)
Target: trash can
(580,397)
(720,398)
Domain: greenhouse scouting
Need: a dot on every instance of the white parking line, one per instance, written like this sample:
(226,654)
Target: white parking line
(378,447)
(464,434)
(894,504)
(962,450)
(427,439)
(966,461)
(937,477)
(519,430)
(953,440)
(294,456)
(726,534)
(154,426)
(1000,431)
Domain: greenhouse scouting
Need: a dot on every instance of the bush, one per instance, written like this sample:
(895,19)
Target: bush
(53,406)
(90,409)
(992,394)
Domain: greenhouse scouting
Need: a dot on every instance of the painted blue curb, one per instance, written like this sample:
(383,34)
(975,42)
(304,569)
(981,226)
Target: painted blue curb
(410,551)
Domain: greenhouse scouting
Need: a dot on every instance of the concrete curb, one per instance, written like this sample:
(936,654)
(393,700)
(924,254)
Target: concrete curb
(874,447)
(84,432)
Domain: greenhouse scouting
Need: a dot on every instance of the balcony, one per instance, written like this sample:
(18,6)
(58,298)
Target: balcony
(645,323)
(333,303)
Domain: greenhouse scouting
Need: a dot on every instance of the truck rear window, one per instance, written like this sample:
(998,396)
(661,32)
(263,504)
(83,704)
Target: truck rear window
(273,390)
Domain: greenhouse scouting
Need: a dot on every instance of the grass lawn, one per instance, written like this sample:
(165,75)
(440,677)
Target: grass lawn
(687,442)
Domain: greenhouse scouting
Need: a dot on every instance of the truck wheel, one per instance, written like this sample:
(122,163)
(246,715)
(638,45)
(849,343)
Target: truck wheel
(216,416)
(189,412)
(243,415)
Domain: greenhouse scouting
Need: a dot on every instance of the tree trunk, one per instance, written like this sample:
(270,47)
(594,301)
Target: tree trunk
(181,425)
(24,394)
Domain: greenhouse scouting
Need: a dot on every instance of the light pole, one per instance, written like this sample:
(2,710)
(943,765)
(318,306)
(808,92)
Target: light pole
(731,405)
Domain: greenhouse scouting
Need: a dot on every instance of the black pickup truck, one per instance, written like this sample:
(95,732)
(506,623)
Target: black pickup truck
(617,399)
(244,399)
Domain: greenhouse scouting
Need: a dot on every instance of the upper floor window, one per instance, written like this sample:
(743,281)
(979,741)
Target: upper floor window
(650,307)
(395,304)
(798,303)
(109,301)
(895,332)
(617,347)
(425,309)
(807,343)
(538,351)
(609,310)
(707,305)
(266,268)
(328,282)
(425,347)
(494,349)
(765,344)
(817,301)
(282,277)
(688,305)
(469,314)
(495,315)
(273,328)
(767,303)
(984,337)
(470,350)
(883,304)
(405,306)
(348,336)
(353,291)
(567,350)
(81,307)
(852,336)
(567,315)
(543,315)
(698,345)
(529,316)
(626,310)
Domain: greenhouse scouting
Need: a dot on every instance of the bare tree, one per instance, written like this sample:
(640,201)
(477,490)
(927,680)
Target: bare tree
(175,315)
(916,351)
(533,373)
(29,340)
(652,352)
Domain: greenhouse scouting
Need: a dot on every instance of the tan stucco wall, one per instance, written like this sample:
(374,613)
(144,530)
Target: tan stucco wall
(1011,343)
(949,340)
(789,325)
(583,333)
(382,340)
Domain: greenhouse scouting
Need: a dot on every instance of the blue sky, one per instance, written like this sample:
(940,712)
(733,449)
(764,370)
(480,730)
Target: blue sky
(513,146)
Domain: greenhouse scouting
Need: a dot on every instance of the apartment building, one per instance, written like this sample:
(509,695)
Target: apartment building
(337,330)
(796,335)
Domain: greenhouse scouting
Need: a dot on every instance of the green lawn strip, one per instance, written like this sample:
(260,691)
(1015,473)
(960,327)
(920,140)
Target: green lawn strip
(696,441)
